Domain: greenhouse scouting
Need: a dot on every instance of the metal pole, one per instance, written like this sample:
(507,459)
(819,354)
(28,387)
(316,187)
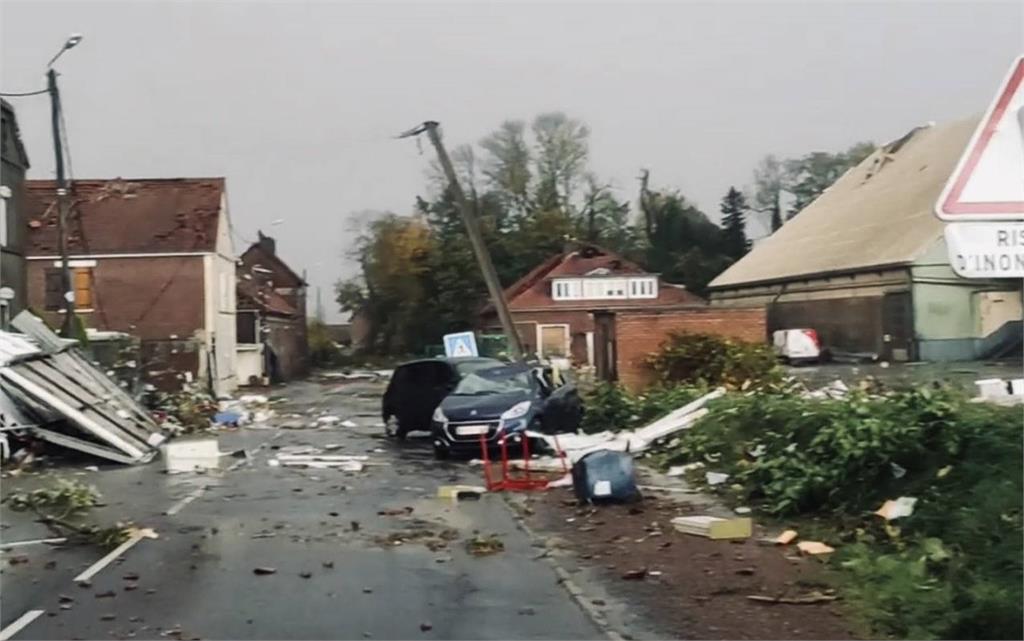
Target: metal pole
(483,257)
(67,328)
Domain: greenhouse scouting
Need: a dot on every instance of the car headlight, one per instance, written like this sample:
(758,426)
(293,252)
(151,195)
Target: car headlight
(439,415)
(516,411)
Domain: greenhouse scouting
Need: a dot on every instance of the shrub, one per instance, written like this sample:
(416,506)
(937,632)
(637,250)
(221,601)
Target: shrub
(714,360)
(953,568)
(323,351)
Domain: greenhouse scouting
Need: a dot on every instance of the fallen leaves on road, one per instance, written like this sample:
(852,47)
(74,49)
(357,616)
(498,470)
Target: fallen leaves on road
(484,545)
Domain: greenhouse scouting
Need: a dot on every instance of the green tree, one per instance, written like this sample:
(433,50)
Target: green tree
(810,175)
(768,188)
(561,158)
(734,235)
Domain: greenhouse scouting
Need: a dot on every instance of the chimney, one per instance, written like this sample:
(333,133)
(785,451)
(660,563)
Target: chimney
(266,243)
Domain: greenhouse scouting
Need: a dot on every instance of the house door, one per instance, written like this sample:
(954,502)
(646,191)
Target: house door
(553,341)
(897,327)
(605,357)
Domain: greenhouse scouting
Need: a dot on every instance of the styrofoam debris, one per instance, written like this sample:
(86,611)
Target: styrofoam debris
(716,478)
(895,509)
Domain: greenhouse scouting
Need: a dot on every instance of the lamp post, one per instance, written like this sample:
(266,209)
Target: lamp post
(68,293)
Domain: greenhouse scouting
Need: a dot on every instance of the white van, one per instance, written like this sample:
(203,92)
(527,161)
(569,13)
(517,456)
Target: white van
(797,345)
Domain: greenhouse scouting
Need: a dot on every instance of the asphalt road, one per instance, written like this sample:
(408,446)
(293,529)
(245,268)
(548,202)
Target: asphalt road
(337,570)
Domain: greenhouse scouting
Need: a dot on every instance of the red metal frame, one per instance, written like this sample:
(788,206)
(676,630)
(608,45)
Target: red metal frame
(509,481)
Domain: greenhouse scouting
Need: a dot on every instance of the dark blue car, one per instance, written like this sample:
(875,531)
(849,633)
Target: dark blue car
(503,400)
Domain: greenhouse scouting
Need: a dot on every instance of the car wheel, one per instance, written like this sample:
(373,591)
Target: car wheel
(441,452)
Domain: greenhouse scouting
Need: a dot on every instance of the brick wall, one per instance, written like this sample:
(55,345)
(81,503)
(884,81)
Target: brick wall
(639,334)
(152,298)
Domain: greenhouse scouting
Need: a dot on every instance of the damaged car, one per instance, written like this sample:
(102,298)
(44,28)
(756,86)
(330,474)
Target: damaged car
(417,387)
(504,400)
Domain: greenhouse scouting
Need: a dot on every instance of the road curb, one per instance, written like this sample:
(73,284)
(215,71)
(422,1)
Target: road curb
(565,578)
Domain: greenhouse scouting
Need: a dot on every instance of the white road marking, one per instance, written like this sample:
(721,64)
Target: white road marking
(22,621)
(18,544)
(180,505)
(105,561)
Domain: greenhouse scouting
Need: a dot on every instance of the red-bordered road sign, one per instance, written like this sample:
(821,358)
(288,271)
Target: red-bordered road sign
(988,183)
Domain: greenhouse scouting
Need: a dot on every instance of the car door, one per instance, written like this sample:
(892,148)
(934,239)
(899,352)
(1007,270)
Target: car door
(562,411)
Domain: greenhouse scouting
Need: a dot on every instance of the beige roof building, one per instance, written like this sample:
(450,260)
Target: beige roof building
(865,263)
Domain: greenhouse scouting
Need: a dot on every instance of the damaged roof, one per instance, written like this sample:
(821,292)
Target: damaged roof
(123,216)
(880,213)
(256,292)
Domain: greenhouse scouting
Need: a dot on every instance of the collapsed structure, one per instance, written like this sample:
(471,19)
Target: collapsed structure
(52,392)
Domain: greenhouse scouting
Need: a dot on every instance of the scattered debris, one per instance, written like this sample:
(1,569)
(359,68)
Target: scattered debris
(106,595)
(425,626)
(604,476)
(460,492)
(813,597)
(712,527)
(786,537)
(305,574)
(398,511)
(634,575)
(191,455)
(894,509)
(716,478)
(814,547)
(263,571)
(484,546)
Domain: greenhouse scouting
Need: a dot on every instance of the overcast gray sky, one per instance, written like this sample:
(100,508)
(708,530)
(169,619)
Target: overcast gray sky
(296,103)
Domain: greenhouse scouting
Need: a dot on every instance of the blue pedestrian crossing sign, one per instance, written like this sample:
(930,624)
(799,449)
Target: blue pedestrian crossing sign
(460,344)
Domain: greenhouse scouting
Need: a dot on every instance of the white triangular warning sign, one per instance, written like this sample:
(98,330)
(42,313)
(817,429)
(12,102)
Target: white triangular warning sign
(988,183)
(462,348)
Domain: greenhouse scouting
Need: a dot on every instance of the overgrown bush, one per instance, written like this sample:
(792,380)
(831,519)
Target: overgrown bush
(950,570)
(610,407)
(323,351)
(707,359)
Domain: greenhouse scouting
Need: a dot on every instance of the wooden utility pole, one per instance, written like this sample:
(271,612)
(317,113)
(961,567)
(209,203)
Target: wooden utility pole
(67,292)
(476,239)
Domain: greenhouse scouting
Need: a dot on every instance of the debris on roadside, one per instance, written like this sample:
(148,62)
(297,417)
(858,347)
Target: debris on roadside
(311,458)
(53,384)
(808,599)
(484,545)
(62,508)
(191,454)
(814,547)
(263,571)
(715,528)
(895,509)
(605,476)
(786,537)
(460,492)
(635,575)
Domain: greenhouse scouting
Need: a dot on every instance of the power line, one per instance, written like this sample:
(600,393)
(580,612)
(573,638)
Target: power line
(27,93)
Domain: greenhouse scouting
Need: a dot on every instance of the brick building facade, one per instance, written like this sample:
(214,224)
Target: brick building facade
(152,258)
(640,334)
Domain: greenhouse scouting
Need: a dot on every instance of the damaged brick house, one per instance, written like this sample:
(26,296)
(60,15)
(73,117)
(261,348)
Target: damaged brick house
(150,257)
(596,308)
(14,163)
(271,321)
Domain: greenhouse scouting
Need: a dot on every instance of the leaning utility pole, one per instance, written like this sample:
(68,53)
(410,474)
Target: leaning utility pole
(67,293)
(476,239)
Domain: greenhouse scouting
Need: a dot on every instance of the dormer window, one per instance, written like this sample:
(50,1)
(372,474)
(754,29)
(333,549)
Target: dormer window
(602,287)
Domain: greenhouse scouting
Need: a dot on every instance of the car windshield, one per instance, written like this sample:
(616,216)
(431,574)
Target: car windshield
(493,382)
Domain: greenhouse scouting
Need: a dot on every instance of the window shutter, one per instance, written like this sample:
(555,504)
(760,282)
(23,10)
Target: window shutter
(83,288)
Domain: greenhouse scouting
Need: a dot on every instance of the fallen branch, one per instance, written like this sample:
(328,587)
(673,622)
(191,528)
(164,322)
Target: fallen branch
(815,597)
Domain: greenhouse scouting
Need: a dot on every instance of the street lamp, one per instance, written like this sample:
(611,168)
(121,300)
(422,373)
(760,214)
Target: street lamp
(67,328)
(70,43)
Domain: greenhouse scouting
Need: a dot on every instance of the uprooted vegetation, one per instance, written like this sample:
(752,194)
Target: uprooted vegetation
(62,509)
(951,569)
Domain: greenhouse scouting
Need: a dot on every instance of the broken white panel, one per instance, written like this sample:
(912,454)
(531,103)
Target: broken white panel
(189,455)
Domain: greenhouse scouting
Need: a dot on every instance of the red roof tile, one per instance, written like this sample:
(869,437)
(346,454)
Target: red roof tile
(127,216)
